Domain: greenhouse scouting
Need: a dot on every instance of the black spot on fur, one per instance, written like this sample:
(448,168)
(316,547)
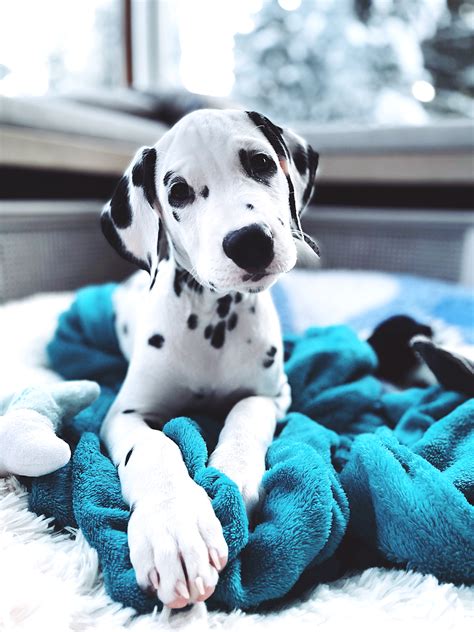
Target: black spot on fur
(176,216)
(249,342)
(128,411)
(272,351)
(281,221)
(127,458)
(272,133)
(301,160)
(291,200)
(223,305)
(238,297)
(182,278)
(232,322)
(268,363)
(120,209)
(143,174)
(192,321)
(154,279)
(200,395)
(205,192)
(208,331)
(178,283)
(252,309)
(218,335)
(313,161)
(125,329)
(157,341)
(250,207)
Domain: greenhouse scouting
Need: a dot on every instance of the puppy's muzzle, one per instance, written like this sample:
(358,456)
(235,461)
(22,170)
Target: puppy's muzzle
(250,247)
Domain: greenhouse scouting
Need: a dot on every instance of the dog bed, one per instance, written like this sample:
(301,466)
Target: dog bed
(387,286)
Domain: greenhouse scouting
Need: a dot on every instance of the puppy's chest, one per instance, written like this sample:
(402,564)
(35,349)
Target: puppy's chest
(203,351)
(224,345)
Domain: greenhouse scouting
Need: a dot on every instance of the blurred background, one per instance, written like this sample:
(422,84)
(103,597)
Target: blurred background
(383,89)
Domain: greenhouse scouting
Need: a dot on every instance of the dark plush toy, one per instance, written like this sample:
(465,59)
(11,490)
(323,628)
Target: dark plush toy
(391,342)
(403,345)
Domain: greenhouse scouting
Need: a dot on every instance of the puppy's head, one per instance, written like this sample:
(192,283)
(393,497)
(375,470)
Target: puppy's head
(227,188)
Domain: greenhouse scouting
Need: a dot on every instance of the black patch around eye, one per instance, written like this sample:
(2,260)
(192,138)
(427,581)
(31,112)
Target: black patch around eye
(218,335)
(167,178)
(143,174)
(181,194)
(223,305)
(273,133)
(157,341)
(110,233)
(257,166)
(192,321)
(120,209)
(205,192)
(300,159)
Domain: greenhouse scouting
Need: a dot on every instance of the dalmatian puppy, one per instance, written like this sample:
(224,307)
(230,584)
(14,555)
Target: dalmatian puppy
(211,212)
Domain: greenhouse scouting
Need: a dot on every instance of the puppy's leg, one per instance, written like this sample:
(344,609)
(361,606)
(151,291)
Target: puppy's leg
(243,443)
(175,540)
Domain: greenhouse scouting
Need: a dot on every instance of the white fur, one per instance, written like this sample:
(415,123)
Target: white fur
(242,380)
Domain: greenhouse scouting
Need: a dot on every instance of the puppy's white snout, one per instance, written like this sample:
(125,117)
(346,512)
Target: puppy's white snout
(250,247)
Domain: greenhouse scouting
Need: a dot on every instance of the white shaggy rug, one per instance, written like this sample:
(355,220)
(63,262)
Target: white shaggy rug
(51,581)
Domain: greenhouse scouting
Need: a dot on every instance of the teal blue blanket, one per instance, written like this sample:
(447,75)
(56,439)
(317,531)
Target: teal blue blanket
(356,476)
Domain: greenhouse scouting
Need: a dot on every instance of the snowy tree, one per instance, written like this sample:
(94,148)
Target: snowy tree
(327,60)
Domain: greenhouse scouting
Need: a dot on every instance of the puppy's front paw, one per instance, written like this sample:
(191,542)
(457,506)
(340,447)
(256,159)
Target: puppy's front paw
(176,546)
(245,467)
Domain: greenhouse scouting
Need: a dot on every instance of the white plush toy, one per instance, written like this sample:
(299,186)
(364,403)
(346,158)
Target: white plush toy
(29,421)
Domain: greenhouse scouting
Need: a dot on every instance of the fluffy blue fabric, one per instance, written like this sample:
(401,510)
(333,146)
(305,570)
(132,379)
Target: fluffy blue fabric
(356,476)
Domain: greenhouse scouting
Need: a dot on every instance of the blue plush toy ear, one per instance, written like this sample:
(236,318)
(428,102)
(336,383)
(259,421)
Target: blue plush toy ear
(130,221)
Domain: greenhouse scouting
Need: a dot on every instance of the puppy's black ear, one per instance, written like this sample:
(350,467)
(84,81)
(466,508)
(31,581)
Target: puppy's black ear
(130,220)
(299,162)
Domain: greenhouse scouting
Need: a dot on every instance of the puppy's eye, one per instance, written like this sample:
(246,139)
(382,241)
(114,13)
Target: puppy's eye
(260,163)
(180,191)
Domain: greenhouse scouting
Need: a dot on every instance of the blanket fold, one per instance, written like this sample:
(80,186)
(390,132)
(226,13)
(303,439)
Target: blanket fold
(389,472)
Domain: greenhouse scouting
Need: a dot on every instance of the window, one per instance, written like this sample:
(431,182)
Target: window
(52,46)
(351,61)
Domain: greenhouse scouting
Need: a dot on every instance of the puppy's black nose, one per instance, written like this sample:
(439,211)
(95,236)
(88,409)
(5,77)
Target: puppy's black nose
(250,247)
